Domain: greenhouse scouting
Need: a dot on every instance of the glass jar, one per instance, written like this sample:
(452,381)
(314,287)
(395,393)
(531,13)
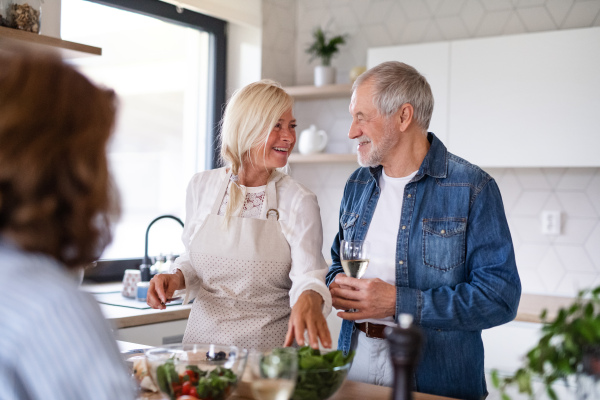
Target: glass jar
(25,15)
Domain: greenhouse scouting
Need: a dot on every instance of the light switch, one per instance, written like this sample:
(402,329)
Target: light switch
(551,221)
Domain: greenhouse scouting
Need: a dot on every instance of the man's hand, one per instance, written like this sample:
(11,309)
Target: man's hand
(373,298)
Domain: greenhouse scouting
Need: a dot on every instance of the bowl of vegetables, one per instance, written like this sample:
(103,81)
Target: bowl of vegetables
(196,371)
(320,375)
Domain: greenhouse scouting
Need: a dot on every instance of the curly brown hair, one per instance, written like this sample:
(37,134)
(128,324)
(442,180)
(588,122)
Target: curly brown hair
(56,193)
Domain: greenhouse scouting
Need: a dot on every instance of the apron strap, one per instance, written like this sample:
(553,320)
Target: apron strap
(222,189)
(272,201)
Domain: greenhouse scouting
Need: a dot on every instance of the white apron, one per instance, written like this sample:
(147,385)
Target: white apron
(244,270)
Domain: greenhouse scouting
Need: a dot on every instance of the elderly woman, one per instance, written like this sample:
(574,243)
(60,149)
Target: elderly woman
(55,214)
(253,237)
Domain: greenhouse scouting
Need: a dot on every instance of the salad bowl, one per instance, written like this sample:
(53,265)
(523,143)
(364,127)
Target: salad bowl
(201,371)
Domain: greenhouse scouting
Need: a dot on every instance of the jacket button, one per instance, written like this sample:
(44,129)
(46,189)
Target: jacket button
(400,262)
(403,226)
(409,196)
(443,231)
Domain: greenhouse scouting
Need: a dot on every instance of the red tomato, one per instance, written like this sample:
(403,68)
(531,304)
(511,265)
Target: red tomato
(193,392)
(185,388)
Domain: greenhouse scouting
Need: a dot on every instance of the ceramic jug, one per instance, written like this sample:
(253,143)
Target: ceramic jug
(312,141)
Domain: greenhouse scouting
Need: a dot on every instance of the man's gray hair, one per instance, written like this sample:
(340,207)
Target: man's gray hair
(396,83)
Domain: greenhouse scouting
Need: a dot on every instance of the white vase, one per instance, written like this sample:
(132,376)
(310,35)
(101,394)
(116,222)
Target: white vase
(324,75)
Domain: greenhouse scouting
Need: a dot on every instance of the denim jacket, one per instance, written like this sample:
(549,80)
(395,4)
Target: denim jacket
(455,265)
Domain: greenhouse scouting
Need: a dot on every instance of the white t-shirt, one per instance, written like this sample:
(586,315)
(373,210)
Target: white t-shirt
(383,233)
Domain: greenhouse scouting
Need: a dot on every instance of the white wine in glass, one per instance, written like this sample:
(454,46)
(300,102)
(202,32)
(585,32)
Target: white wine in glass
(354,256)
(273,373)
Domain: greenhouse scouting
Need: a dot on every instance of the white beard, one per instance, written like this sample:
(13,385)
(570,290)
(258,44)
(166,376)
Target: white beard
(375,157)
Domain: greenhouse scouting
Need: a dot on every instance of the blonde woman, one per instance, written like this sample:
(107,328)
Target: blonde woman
(253,237)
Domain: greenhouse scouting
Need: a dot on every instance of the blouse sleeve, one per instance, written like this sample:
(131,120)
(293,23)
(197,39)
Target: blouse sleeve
(182,263)
(304,234)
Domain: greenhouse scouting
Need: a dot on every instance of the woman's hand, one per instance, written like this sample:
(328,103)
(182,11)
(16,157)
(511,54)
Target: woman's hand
(307,315)
(162,287)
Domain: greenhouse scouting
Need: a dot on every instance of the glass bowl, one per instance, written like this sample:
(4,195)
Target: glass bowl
(203,371)
(316,383)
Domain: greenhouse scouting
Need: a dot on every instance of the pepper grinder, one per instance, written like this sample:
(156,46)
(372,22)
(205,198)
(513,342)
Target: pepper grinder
(405,342)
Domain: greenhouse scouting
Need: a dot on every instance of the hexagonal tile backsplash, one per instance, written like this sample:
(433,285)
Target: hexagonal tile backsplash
(557,265)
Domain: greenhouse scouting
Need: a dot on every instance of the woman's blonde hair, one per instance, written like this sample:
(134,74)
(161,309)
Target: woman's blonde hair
(56,194)
(250,116)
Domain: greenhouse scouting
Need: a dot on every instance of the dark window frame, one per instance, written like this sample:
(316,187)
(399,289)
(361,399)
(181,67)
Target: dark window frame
(216,28)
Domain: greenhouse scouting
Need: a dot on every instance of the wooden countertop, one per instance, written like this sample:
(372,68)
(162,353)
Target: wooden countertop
(530,307)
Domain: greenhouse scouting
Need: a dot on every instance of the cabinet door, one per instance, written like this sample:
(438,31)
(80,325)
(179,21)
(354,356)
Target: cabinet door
(530,100)
(432,61)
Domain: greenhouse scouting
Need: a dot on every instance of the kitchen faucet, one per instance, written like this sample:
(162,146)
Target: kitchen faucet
(145,267)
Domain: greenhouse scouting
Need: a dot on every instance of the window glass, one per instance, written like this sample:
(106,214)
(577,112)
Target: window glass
(159,71)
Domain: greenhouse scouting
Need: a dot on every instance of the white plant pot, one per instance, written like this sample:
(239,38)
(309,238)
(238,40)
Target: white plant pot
(324,75)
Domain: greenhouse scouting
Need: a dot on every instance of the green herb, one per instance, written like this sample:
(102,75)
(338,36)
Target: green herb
(323,48)
(166,376)
(319,376)
(560,351)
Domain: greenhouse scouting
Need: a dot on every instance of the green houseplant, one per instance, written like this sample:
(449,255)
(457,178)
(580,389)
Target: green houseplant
(566,344)
(324,49)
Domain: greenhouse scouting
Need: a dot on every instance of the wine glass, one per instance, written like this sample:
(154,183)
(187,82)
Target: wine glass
(354,256)
(273,373)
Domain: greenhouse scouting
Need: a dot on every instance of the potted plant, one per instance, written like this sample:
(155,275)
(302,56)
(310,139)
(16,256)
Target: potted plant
(324,49)
(568,350)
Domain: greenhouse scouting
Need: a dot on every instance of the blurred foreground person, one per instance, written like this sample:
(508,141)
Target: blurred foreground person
(56,206)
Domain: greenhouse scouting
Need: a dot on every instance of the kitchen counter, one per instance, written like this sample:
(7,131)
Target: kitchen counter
(530,307)
(350,390)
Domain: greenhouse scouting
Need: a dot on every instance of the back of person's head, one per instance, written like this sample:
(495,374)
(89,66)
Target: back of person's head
(56,194)
(250,116)
(395,84)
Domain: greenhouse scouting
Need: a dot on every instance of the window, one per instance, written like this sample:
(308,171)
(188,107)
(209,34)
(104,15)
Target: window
(167,69)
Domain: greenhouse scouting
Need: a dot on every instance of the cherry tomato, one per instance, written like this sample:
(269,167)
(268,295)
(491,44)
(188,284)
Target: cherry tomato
(193,392)
(185,388)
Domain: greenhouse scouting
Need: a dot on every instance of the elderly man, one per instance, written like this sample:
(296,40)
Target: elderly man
(441,249)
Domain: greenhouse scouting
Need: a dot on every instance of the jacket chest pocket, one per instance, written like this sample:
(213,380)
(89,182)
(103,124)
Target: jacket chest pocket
(348,223)
(444,242)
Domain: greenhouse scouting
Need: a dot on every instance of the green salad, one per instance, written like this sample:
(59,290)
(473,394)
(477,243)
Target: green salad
(320,375)
(214,385)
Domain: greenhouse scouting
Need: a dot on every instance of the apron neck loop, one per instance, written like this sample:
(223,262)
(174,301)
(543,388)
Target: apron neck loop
(271,192)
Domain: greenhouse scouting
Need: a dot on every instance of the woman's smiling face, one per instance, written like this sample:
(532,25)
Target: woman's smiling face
(281,141)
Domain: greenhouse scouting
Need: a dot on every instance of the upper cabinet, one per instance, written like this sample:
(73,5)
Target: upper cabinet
(10,37)
(529,100)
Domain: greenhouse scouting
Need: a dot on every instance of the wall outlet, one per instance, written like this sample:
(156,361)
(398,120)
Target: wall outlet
(551,221)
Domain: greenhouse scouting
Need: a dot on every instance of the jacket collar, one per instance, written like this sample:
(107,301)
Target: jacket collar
(435,163)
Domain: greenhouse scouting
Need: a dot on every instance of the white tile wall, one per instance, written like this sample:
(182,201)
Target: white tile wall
(548,264)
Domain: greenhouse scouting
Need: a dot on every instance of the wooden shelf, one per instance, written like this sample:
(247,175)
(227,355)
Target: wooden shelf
(11,37)
(320,92)
(322,158)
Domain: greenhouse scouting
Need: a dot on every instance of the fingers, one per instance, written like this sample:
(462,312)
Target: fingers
(321,333)
(159,283)
(152,298)
(289,337)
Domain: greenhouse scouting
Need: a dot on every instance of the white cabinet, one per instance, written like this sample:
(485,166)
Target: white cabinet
(432,60)
(529,100)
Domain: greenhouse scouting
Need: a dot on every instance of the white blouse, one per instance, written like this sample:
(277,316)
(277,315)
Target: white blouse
(299,218)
